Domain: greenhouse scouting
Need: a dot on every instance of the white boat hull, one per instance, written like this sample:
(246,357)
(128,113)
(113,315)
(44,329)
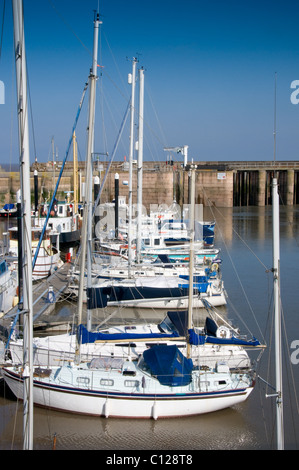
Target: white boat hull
(137,405)
(170,303)
(45,265)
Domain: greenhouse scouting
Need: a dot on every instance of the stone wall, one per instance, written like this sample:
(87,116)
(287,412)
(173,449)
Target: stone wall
(216,183)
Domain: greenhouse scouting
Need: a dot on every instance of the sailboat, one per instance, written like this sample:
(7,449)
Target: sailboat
(216,340)
(162,382)
(9,210)
(48,258)
(161,233)
(149,286)
(157,292)
(64,221)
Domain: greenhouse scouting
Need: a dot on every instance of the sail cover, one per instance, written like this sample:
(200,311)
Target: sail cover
(85,336)
(169,365)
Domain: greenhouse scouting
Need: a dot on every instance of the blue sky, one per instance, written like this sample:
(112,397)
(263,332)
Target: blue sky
(209,76)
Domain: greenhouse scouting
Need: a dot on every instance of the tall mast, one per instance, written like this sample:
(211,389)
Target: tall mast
(21,78)
(86,242)
(191,254)
(75,159)
(277,299)
(277,317)
(140,162)
(133,78)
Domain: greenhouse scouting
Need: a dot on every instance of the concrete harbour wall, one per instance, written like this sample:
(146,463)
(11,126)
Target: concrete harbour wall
(220,184)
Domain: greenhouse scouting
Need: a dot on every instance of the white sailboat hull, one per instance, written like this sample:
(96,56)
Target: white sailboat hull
(131,405)
(45,265)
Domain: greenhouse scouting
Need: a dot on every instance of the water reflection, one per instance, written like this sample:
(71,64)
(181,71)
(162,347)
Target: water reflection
(81,433)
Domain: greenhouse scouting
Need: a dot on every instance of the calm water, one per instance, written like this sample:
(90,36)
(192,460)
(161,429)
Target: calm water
(245,238)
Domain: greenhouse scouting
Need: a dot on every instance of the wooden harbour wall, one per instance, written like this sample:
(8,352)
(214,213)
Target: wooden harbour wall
(222,184)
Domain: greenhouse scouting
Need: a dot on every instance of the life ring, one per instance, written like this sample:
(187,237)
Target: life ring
(215,267)
(223,332)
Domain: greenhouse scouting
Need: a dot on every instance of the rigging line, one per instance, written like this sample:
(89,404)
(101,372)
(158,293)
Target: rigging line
(113,83)
(107,102)
(112,158)
(60,174)
(271,326)
(100,85)
(286,368)
(117,68)
(288,220)
(239,236)
(31,113)
(156,116)
(69,27)
(101,98)
(288,355)
(240,282)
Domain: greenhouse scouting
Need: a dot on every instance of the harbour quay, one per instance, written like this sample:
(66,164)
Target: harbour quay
(219,184)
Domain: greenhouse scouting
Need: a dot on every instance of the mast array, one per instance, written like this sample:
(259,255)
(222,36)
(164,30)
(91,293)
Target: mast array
(21,75)
(86,242)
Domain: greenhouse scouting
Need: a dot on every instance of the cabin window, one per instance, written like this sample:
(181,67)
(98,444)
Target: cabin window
(60,209)
(83,380)
(157,241)
(107,382)
(147,241)
(222,382)
(132,383)
(129,372)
